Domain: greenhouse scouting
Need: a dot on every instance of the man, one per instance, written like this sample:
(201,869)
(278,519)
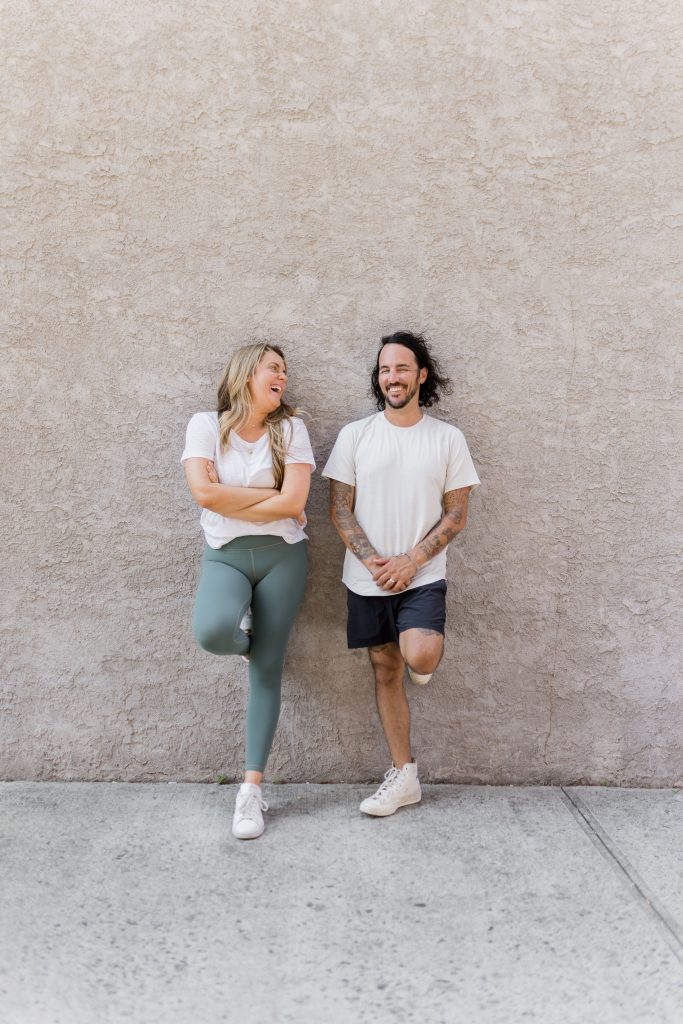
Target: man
(399,487)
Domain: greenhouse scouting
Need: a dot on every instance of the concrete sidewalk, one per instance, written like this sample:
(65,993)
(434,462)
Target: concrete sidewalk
(484,905)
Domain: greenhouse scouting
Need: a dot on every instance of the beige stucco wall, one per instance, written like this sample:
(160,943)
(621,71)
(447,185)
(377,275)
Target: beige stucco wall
(180,178)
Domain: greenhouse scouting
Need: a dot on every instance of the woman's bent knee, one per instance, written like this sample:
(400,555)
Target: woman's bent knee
(217,641)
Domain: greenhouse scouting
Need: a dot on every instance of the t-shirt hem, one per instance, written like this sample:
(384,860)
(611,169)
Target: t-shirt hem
(195,455)
(277,536)
(340,479)
(384,593)
(468,483)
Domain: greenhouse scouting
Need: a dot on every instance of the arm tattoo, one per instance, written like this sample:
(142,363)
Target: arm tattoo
(453,521)
(455,504)
(341,511)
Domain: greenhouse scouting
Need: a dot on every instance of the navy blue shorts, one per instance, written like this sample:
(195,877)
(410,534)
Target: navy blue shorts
(373,621)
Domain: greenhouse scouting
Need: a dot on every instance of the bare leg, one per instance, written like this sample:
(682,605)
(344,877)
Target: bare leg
(422,649)
(392,703)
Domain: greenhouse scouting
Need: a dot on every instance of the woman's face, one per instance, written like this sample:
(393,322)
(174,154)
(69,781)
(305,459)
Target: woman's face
(267,383)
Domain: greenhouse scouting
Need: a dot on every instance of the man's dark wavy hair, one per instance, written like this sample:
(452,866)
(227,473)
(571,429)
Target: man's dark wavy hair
(436,384)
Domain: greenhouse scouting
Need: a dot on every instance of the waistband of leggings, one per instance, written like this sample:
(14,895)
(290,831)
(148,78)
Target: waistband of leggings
(253,541)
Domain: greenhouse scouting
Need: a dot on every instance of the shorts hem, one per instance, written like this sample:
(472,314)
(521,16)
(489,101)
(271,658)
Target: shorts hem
(418,608)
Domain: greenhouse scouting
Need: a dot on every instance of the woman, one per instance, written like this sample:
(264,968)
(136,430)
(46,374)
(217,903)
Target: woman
(249,467)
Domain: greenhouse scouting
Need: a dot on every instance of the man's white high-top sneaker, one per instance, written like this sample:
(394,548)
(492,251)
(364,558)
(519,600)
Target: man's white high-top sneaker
(401,786)
(419,680)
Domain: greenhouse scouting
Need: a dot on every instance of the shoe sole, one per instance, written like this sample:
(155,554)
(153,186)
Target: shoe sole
(386,814)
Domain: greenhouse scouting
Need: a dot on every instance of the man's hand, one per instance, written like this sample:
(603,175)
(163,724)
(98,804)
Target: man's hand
(396,573)
(393,574)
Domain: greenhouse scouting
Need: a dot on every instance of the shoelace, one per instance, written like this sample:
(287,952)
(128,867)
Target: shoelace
(246,807)
(389,778)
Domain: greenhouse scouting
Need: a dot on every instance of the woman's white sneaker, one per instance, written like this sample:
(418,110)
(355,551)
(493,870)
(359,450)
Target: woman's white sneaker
(247,821)
(401,786)
(247,626)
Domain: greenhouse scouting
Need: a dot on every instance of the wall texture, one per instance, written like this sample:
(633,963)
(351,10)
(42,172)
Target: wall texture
(181,178)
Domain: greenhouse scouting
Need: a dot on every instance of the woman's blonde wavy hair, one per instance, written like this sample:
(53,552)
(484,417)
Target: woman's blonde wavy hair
(234,404)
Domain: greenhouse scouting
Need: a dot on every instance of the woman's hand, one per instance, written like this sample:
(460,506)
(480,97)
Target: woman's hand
(288,503)
(213,478)
(211,494)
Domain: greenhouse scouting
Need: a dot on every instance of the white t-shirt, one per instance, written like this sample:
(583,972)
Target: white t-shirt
(400,475)
(245,464)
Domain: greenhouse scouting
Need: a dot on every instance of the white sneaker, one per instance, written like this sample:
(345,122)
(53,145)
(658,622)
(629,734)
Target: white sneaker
(247,821)
(401,786)
(247,625)
(419,680)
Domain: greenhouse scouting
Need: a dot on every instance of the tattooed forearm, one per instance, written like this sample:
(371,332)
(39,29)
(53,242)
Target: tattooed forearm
(437,540)
(341,513)
(455,505)
(453,521)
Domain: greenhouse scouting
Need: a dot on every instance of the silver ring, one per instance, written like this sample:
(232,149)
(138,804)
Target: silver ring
(392,581)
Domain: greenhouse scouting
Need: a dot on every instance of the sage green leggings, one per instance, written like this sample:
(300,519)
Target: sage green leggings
(270,575)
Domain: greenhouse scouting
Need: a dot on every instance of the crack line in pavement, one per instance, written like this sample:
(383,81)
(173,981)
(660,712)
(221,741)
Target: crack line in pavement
(588,821)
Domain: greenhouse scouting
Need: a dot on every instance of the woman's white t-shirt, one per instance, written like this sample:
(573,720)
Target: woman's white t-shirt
(245,464)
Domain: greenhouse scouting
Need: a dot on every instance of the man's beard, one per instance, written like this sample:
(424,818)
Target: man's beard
(400,403)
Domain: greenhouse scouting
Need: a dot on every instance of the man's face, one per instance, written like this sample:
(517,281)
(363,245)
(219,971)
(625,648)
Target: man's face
(399,376)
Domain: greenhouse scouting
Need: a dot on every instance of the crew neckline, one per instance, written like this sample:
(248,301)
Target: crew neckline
(395,426)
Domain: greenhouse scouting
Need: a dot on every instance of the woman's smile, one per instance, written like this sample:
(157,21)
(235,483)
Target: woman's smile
(268,382)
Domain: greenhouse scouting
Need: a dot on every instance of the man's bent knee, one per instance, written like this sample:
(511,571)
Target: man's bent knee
(424,663)
(422,649)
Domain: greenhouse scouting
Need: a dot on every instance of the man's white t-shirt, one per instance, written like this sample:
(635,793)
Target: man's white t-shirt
(245,464)
(400,475)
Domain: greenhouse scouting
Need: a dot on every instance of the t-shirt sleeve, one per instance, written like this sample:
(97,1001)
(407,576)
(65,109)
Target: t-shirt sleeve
(201,437)
(461,471)
(299,447)
(341,463)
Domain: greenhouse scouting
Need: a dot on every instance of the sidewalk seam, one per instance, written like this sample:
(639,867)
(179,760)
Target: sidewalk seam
(668,924)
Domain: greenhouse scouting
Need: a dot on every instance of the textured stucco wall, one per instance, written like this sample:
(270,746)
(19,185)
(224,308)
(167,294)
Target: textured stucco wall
(180,178)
